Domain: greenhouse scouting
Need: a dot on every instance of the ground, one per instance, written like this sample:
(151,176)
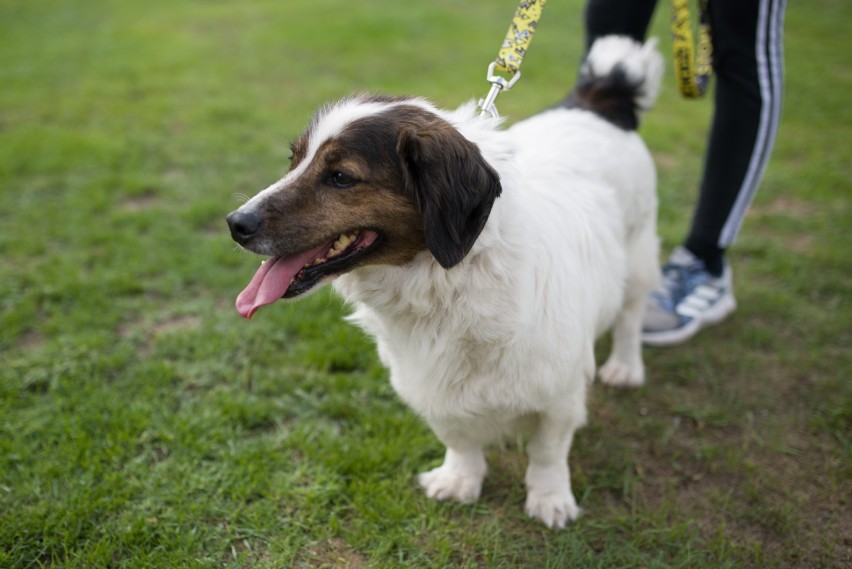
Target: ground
(144,424)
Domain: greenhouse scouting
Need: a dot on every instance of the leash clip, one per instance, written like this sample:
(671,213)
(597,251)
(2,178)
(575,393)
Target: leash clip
(498,85)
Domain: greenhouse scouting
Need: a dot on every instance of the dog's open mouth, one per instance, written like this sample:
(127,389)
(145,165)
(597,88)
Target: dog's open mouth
(288,277)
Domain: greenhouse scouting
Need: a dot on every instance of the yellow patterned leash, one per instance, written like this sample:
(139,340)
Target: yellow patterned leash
(691,70)
(512,53)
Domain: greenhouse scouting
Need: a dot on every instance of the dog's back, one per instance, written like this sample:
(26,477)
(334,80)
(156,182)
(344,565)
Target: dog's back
(588,173)
(593,130)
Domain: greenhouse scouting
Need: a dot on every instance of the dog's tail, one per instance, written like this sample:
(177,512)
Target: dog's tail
(619,78)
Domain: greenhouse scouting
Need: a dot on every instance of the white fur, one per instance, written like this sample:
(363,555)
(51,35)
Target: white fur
(505,339)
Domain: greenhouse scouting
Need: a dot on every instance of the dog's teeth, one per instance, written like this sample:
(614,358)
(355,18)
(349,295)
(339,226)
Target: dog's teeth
(342,242)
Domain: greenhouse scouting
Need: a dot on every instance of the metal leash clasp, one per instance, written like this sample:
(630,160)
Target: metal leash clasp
(498,84)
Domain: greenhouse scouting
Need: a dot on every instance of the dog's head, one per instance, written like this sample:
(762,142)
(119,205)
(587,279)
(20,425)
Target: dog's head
(373,180)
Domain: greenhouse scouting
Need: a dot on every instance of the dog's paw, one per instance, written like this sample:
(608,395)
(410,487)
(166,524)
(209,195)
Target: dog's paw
(553,509)
(620,374)
(444,483)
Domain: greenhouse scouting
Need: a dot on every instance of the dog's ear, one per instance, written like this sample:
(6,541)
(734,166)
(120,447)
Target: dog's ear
(451,184)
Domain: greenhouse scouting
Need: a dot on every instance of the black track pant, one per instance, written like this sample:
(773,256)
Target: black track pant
(748,66)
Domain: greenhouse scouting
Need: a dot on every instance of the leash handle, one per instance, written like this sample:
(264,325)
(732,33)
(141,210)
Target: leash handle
(512,52)
(692,71)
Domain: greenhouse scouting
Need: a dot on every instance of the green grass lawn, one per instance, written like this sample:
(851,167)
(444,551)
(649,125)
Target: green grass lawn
(144,424)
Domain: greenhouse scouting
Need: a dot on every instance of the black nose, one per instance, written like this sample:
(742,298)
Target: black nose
(244,225)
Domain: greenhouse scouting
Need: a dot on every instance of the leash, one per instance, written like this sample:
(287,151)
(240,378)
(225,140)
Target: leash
(511,53)
(692,71)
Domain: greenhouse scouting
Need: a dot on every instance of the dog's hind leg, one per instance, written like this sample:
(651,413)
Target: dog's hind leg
(460,476)
(549,496)
(624,366)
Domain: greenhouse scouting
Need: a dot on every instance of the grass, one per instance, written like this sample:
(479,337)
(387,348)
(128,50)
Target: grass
(144,424)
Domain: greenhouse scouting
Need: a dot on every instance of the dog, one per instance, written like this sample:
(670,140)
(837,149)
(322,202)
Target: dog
(485,261)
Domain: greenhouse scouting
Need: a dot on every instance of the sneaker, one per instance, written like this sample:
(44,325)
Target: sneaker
(688,299)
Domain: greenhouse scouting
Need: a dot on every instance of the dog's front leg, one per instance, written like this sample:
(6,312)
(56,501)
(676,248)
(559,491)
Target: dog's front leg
(460,476)
(549,496)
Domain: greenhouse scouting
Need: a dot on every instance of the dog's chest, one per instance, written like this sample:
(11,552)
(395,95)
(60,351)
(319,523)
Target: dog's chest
(442,371)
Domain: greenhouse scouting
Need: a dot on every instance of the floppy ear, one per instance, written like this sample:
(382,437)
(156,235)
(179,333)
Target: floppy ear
(451,184)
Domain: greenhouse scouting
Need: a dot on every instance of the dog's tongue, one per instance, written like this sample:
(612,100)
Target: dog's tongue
(272,280)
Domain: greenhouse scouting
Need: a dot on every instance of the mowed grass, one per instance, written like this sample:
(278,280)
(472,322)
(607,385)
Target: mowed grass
(144,424)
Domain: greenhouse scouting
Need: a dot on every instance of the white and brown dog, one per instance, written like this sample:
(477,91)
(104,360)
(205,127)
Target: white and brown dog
(484,261)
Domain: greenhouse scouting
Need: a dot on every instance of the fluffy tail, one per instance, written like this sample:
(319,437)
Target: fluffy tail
(619,78)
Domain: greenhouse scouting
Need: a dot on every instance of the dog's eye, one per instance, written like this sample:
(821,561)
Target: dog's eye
(340,179)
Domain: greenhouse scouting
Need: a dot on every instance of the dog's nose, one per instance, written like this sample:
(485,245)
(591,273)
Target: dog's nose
(244,225)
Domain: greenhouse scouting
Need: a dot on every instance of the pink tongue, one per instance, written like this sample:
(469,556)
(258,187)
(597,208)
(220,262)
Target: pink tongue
(273,278)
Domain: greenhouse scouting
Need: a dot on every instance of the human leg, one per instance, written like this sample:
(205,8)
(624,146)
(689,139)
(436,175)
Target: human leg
(747,43)
(622,17)
(697,288)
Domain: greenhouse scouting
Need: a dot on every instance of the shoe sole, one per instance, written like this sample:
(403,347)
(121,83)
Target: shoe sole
(719,312)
